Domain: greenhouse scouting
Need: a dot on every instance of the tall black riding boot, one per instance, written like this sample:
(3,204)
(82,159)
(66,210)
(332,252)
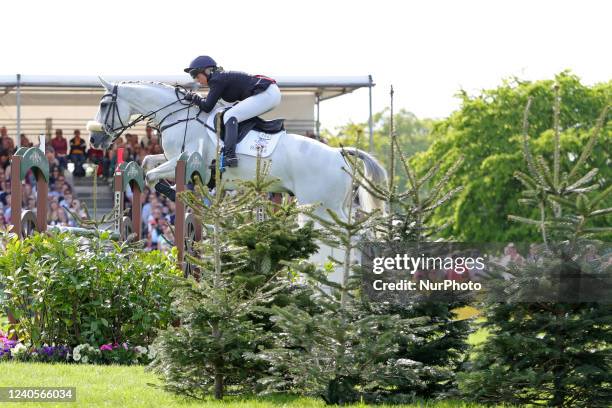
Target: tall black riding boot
(231,137)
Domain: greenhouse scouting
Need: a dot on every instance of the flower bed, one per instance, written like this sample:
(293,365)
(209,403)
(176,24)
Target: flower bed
(110,353)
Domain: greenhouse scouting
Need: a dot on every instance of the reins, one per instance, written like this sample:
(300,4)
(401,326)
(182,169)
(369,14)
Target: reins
(114,111)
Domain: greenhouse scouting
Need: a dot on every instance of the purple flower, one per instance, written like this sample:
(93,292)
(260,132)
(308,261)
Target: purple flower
(106,347)
(47,350)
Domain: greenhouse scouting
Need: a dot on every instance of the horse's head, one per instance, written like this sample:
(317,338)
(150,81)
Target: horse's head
(112,117)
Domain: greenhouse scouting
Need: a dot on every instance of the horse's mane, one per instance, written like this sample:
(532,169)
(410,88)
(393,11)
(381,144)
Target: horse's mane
(153,83)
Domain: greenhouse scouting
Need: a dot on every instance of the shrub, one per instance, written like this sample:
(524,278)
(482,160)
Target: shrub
(69,290)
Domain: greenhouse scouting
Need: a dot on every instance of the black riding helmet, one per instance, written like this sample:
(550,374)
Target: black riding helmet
(199,65)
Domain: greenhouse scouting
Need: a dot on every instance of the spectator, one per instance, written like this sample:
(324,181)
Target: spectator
(77,209)
(63,219)
(166,240)
(78,153)
(149,139)
(7,146)
(511,255)
(31,203)
(25,142)
(7,206)
(147,208)
(4,159)
(156,149)
(5,142)
(60,145)
(51,157)
(153,235)
(96,156)
(54,174)
(53,218)
(66,201)
(107,162)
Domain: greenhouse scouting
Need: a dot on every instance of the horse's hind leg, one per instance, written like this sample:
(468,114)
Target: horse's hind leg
(333,196)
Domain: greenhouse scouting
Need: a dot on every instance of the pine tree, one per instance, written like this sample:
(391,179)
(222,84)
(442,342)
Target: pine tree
(240,260)
(408,224)
(344,351)
(549,341)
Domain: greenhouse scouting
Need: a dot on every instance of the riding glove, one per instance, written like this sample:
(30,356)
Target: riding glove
(194,98)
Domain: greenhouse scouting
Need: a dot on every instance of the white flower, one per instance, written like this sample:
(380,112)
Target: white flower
(85,359)
(77,349)
(76,356)
(18,350)
(140,349)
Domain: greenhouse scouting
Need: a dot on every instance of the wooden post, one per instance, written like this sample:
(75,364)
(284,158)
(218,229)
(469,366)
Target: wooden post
(118,203)
(16,195)
(42,188)
(136,210)
(118,195)
(179,220)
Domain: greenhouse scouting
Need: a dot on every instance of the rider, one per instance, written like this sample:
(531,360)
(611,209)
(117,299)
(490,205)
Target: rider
(256,94)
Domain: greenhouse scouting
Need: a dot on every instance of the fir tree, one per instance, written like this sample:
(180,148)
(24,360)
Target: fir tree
(549,341)
(345,352)
(240,262)
(408,223)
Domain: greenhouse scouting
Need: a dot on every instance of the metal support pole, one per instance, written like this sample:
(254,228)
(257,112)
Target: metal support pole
(16,195)
(318,123)
(370,116)
(18,136)
(180,211)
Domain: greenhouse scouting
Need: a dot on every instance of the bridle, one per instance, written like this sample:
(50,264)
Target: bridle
(113,110)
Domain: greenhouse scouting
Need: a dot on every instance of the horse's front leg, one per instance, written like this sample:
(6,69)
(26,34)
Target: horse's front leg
(165,170)
(152,160)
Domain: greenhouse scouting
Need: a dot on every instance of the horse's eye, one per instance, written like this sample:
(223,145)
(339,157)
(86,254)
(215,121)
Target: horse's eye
(103,104)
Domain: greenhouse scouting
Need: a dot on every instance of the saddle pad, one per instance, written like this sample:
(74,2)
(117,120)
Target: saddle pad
(253,139)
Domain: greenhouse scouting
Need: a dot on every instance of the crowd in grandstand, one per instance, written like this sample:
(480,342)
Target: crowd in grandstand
(66,161)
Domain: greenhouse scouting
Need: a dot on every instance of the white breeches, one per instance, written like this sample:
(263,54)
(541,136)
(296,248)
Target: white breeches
(255,105)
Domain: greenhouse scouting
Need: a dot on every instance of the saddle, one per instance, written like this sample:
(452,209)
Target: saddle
(256,123)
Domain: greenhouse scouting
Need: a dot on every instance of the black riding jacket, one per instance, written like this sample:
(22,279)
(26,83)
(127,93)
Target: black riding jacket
(233,86)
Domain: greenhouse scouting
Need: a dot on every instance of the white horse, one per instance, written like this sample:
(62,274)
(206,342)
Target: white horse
(310,170)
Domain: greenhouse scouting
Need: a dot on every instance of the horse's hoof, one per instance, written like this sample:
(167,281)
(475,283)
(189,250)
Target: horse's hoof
(166,190)
(149,181)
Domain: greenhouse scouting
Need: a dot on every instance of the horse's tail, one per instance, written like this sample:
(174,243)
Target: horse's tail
(376,174)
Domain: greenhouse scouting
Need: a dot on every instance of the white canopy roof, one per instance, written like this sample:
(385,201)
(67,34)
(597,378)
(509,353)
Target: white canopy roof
(45,102)
(325,87)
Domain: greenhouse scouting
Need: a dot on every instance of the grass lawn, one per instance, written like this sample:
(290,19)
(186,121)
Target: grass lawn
(127,387)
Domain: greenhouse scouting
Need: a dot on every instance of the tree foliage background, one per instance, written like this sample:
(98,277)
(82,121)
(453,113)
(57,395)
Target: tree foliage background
(486,131)
(413,136)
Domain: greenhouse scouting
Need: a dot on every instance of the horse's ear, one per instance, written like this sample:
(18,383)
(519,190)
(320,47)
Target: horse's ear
(107,85)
